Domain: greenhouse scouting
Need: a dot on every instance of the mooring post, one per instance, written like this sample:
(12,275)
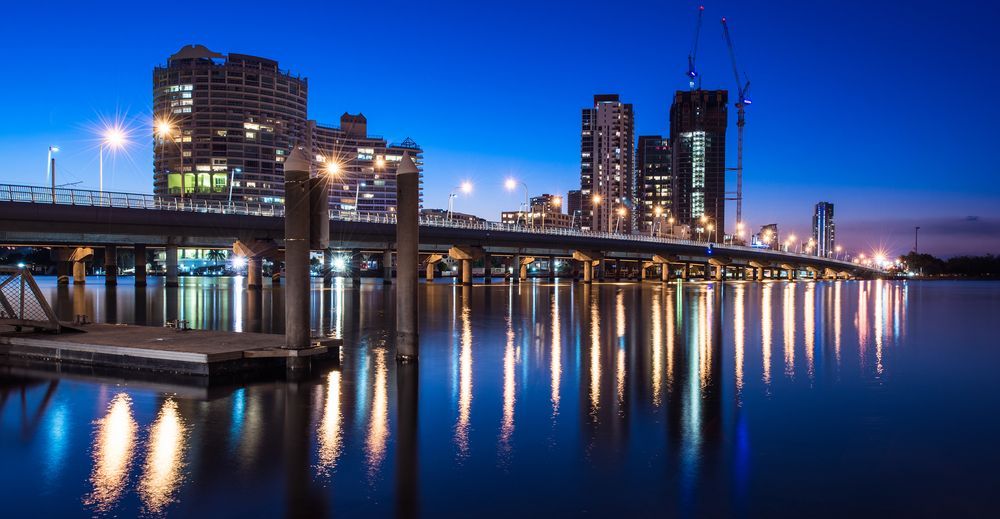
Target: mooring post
(297,218)
(407,256)
(110,265)
(139,258)
(170,257)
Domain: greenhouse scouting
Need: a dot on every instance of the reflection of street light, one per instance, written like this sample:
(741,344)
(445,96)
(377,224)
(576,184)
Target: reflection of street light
(114,138)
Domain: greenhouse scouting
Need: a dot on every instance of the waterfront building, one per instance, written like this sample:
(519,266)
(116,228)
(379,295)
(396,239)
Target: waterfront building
(362,167)
(823,230)
(226,123)
(607,164)
(654,183)
(546,203)
(548,220)
(574,205)
(441,215)
(698,145)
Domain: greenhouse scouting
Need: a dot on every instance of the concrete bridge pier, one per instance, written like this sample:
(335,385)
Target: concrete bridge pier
(171,262)
(110,265)
(522,270)
(466,254)
(255,273)
(789,271)
(552,268)
(487,268)
(515,268)
(255,251)
(80,257)
(588,259)
(387,267)
(276,274)
(432,262)
(327,267)
(64,266)
(139,258)
(355,266)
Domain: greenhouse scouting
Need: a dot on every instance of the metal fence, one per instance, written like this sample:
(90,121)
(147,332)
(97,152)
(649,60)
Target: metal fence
(83,197)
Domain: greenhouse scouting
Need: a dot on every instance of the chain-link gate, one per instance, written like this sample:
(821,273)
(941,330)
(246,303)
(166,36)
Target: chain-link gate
(22,303)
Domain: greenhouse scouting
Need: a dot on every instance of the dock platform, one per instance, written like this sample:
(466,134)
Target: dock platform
(191,352)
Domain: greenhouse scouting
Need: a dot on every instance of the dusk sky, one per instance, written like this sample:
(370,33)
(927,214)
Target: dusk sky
(888,112)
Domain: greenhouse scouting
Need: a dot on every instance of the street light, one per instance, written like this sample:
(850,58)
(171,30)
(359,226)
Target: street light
(657,212)
(511,185)
(621,214)
(465,187)
(50,171)
(165,130)
(838,248)
(114,138)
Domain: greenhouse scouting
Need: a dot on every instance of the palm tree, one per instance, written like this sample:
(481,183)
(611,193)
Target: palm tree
(216,255)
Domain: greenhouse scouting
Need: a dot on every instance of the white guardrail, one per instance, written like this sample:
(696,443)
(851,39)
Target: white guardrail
(89,198)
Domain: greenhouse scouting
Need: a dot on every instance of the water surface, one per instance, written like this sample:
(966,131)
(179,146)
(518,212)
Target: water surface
(747,399)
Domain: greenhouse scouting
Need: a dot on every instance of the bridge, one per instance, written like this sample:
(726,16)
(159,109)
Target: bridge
(72,222)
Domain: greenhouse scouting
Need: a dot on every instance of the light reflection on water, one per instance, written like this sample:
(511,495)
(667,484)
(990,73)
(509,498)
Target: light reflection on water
(566,398)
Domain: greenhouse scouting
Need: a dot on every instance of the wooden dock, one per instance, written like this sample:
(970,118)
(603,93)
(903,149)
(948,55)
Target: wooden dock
(192,352)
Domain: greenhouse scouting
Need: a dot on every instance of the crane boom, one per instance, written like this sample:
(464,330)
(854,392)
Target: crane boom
(743,99)
(692,72)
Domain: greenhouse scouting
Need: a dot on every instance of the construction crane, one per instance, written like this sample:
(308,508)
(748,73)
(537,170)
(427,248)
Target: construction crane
(692,72)
(742,100)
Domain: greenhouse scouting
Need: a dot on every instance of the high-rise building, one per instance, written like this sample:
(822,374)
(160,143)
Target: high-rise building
(823,229)
(698,142)
(229,122)
(546,203)
(222,119)
(768,236)
(364,178)
(654,183)
(606,165)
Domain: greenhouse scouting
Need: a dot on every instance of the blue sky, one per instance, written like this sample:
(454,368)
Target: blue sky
(888,111)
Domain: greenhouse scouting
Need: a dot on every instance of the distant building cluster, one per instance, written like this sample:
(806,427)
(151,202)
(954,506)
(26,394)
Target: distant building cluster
(226,123)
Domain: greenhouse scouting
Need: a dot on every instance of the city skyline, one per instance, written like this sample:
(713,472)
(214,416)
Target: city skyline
(880,175)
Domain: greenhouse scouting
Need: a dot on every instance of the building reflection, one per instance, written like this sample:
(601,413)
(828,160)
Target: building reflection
(112,452)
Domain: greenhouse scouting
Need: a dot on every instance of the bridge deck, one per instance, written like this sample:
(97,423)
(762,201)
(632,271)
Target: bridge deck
(196,352)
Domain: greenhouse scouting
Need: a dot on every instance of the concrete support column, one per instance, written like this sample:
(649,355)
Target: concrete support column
(515,268)
(407,256)
(552,268)
(602,270)
(588,271)
(487,268)
(63,271)
(522,272)
(665,272)
(297,225)
(642,272)
(171,261)
(791,274)
(466,272)
(430,271)
(79,272)
(356,267)
(110,265)
(387,267)
(686,271)
(327,267)
(720,272)
(618,269)
(139,256)
(255,273)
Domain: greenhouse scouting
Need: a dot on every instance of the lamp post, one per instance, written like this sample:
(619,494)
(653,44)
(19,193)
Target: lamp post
(511,185)
(114,138)
(556,202)
(165,130)
(657,211)
(51,171)
(621,214)
(838,248)
(466,188)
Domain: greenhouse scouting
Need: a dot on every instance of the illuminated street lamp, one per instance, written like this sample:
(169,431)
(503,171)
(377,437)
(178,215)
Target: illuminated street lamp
(465,187)
(511,185)
(114,138)
(838,248)
(50,170)
(621,214)
(657,213)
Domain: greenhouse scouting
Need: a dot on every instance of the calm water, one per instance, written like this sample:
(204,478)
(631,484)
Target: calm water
(805,399)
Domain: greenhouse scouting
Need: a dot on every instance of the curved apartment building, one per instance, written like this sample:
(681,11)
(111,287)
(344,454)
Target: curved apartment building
(226,123)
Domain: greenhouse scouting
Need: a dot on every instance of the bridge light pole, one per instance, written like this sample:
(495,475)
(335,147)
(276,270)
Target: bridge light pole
(621,214)
(51,171)
(466,188)
(114,138)
(511,185)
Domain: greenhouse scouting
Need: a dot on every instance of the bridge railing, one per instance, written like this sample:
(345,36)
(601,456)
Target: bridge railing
(83,197)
